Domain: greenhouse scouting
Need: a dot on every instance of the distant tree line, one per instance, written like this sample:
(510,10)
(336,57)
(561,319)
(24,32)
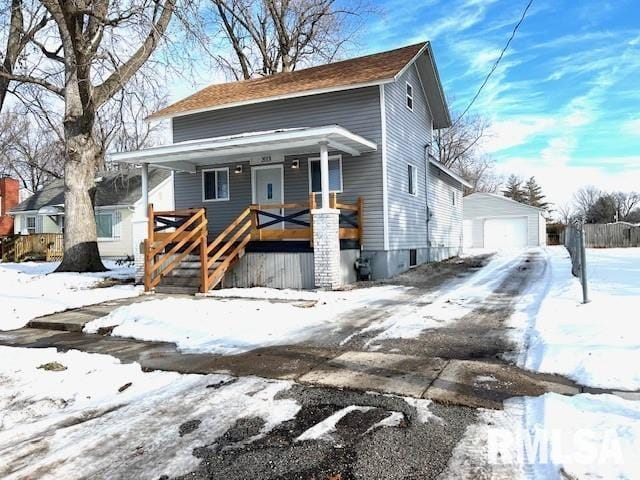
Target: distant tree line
(598,206)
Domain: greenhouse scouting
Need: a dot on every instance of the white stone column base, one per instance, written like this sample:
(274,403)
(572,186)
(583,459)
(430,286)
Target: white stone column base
(326,248)
(139,234)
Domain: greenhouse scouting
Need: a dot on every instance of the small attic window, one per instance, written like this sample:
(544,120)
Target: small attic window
(409,96)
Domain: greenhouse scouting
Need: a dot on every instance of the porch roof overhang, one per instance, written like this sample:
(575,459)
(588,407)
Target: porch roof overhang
(186,156)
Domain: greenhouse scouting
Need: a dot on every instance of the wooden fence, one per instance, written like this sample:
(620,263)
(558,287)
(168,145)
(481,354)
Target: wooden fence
(612,235)
(42,246)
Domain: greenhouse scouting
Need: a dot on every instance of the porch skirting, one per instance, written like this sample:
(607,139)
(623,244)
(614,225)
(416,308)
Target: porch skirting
(284,270)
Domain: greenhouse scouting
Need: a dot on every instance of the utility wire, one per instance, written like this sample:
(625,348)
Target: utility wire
(495,65)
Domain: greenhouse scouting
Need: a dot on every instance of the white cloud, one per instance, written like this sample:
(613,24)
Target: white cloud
(635,41)
(632,127)
(513,132)
(560,179)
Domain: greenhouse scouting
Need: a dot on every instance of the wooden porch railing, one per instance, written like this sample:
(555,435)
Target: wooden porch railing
(164,249)
(190,231)
(49,246)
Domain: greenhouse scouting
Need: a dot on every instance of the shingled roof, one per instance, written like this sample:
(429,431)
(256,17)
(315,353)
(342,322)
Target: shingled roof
(118,188)
(370,69)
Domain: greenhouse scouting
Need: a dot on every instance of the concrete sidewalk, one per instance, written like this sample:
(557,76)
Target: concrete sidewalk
(459,382)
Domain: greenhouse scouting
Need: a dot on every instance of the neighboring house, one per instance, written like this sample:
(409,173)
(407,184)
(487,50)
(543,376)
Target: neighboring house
(9,198)
(118,194)
(493,221)
(365,125)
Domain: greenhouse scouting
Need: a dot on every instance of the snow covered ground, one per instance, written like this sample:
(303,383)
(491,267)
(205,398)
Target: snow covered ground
(552,437)
(101,419)
(30,289)
(596,344)
(234,325)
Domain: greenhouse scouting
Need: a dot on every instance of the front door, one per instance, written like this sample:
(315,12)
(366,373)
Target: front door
(268,189)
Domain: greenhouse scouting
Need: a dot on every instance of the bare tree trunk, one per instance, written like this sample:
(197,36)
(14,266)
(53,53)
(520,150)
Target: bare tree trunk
(80,239)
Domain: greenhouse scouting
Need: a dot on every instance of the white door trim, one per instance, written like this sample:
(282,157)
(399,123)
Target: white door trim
(253,183)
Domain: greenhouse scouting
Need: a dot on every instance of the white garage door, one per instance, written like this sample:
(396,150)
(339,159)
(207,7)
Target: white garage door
(467,233)
(505,232)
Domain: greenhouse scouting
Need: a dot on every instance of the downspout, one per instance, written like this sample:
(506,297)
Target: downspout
(427,147)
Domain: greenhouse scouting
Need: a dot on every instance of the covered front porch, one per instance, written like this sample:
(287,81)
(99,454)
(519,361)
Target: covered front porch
(269,192)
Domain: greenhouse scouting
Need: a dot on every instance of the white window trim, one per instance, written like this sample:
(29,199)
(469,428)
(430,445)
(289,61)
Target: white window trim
(112,238)
(35,224)
(317,159)
(408,96)
(226,169)
(414,175)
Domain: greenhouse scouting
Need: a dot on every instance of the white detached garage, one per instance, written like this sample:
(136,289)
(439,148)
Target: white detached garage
(496,222)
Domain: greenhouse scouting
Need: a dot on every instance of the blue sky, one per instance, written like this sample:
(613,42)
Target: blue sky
(564,102)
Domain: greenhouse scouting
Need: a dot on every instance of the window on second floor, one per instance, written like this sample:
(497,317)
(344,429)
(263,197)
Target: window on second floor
(412,179)
(409,96)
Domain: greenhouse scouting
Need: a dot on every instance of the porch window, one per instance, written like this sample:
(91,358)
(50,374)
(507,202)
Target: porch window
(31,225)
(215,184)
(412,179)
(335,174)
(104,225)
(410,96)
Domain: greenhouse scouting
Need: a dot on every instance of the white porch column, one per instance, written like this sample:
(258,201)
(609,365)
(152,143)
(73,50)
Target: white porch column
(139,224)
(326,233)
(324,174)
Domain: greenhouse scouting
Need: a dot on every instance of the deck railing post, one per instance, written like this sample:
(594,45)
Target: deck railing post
(204,257)
(148,244)
(360,219)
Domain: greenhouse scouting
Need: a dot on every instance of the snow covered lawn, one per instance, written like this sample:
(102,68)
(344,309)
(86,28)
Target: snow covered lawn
(597,344)
(29,290)
(234,325)
(97,418)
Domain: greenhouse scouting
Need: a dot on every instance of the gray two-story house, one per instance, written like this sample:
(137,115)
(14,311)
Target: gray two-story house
(286,180)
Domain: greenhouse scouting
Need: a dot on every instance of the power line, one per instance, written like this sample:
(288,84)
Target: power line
(497,62)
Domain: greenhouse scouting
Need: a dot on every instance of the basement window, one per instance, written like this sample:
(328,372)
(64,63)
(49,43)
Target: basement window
(413,257)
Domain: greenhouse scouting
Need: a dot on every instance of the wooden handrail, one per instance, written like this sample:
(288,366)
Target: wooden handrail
(155,249)
(228,244)
(232,226)
(273,206)
(196,232)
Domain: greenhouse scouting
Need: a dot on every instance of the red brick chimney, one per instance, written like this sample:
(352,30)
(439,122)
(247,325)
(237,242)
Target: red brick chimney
(9,198)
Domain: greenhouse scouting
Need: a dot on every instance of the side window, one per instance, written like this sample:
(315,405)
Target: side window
(335,175)
(215,184)
(104,225)
(454,198)
(412,179)
(31,225)
(409,96)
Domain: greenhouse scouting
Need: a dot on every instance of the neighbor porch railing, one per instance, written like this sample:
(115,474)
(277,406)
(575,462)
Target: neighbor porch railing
(173,235)
(47,246)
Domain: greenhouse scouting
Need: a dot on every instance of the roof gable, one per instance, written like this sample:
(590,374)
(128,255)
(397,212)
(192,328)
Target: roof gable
(354,73)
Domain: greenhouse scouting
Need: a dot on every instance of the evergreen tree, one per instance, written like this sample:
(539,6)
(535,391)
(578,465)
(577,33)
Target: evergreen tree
(533,194)
(513,189)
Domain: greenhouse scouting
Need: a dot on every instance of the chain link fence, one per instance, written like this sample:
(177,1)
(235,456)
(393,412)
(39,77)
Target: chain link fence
(574,241)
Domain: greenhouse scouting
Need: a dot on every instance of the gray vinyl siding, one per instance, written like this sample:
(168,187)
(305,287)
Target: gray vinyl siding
(479,207)
(408,133)
(445,222)
(356,110)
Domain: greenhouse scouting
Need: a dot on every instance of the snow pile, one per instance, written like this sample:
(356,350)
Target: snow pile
(324,429)
(102,419)
(29,290)
(552,437)
(451,302)
(230,326)
(596,344)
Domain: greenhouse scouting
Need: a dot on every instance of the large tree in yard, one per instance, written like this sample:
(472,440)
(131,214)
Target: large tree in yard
(89,51)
